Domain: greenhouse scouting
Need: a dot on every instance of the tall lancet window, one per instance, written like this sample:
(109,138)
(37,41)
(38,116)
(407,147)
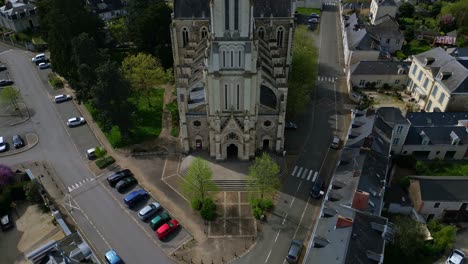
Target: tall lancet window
(185,38)
(226,14)
(236,14)
(279,37)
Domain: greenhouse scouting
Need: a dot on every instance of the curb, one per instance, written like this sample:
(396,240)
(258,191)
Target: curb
(29,146)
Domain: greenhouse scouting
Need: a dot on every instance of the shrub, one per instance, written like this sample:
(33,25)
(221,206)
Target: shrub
(17,191)
(208,211)
(404,182)
(100,152)
(386,86)
(31,191)
(115,137)
(104,162)
(257,212)
(196,204)
(5,200)
(175,131)
(6,175)
(260,206)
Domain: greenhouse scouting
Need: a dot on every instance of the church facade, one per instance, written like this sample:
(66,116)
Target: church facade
(231,63)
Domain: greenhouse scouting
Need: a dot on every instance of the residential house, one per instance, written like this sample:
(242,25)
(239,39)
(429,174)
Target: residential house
(440,197)
(380,8)
(438,82)
(18,15)
(107,9)
(392,73)
(386,31)
(362,8)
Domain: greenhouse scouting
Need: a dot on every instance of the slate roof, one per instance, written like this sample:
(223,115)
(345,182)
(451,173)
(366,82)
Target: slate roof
(379,67)
(397,195)
(435,118)
(358,39)
(365,238)
(443,188)
(15,7)
(392,115)
(191,9)
(458,81)
(379,32)
(275,8)
(459,52)
(437,135)
(386,2)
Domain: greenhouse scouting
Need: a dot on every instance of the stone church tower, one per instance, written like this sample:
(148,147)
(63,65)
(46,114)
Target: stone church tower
(231,63)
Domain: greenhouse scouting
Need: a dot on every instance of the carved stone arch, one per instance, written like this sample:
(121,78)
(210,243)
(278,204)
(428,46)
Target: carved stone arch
(280,35)
(267,142)
(203,32)
(185,36)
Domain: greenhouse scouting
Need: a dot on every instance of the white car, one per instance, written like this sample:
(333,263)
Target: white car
(3,145)
(149,211)
(44,65)
(38,57)
(456,257)
(76,121)
(62,98)
(335,142)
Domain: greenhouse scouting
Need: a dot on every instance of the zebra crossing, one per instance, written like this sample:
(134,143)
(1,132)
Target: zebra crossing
(326,79)
(79,184)
(330,4)
(304,173)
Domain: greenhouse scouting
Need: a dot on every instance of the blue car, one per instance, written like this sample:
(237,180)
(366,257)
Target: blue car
(134,197)
(112,257)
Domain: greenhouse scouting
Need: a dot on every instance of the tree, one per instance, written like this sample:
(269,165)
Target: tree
(304,71)
(144,73)
(263,177)
(444,236)
(6,175)
(409,237)
(447,23)
(11,95)
(149,27)
(406,10)
(435,8)
(459,10)
(118,30)
(31,190)
(198,183)
(409,33)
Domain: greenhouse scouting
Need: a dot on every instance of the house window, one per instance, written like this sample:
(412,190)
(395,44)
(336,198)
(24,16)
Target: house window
(261,33)
(395,141)
(441,98)
(279,37)
(415,69)
(420,75)
(426,81)
(436,205)
(429,105)
(185,38)
(397,81)
(236,14)
(399,129)
(362,82)
(434,92)
(226,14)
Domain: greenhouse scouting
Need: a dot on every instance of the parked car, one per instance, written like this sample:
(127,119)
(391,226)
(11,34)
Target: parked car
(18,141)
(5,82)
(149,210)
(125,183)
(313,20)
(76,121)
(335,143)
(115,177)
(3,67)
(62,98)
(166,229)
(456,257)
(91,153)
(3,145)
(316,188)
(112,257)
(43,60)
(294,251)
(314,15)
(131,199)
(44,65)
(290,125)
(5,222)
(38,57)
(159,220)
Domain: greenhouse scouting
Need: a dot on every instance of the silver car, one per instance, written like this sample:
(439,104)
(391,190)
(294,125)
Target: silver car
(62,98)
(148,211)
(294,251)
(456,257)
(75,121)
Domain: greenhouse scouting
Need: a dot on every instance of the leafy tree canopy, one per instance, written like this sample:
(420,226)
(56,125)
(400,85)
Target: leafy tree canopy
(198,183)
(406,10)
(263,176)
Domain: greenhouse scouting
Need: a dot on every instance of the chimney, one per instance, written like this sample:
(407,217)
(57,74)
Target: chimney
(343,222)
(429,60)
(360,200)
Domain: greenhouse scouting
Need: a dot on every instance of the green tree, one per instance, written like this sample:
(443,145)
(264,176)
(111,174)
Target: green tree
(118,29)
(409,237)
(304,71)
(263,177)
(406,10)
(198,184)
(149,27)
(409,33)
(144,73)
(459,10)
(31,191)
(444,236)
(11,95)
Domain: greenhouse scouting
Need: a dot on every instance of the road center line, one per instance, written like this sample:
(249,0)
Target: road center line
(302,216)
(268,256)
(277,235)
(299,186)
(292,202)
(284,220)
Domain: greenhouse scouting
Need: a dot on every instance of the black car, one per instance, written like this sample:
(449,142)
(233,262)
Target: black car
(3,67)
(125,183)
(6,222)
(118,176)
(18,141)
(5,82)
(316,188)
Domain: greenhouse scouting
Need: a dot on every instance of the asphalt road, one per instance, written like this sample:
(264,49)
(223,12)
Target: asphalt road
(96,209)
(295,214)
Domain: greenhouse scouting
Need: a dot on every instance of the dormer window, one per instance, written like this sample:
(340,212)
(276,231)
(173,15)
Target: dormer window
(444,75)
(455,138)
(429,60)
(425,138)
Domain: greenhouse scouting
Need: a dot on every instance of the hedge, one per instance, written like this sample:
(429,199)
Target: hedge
(104,162)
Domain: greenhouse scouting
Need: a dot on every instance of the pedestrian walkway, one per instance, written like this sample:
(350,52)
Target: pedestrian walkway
(304,173)
(77,185)
(326,79)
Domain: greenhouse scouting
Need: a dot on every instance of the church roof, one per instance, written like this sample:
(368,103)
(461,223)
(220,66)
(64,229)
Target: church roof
(191,8)
(275,8)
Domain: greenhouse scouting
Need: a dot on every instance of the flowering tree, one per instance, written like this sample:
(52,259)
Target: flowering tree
(447,23)
(6,175)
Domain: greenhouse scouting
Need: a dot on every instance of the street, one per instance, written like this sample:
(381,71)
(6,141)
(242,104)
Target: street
(295,212)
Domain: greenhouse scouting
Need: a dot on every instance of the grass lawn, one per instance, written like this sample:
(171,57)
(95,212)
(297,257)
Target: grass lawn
(416,47)
(407,21)
(307,11)
(440,168)
(148,119)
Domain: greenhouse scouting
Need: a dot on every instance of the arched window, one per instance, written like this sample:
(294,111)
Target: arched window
(232,59)
(261,32)
(279,36)
(204,32)
(224,59)
(185,38)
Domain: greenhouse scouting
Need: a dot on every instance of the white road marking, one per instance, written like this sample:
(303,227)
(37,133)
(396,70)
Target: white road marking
(292,202)
(299,186)
(277,236)
(69,189)
(284,220)
(315,176)
(305,173)
(299,173)
(294,171)
(310,174)
(302,216)
(268,256)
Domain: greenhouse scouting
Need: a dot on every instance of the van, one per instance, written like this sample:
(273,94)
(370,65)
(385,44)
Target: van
(134,197)
(316,190)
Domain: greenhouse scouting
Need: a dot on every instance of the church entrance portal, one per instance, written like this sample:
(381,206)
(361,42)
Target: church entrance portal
(266,144)
(232,151)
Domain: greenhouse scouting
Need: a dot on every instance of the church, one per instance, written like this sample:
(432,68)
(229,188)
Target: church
(231,64)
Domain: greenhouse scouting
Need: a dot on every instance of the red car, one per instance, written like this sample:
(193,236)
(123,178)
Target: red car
(166,229)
